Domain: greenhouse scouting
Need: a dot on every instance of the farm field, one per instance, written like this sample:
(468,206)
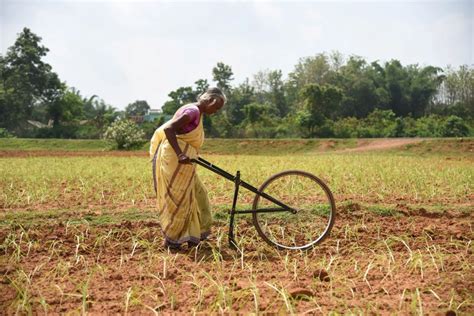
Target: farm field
(79,231)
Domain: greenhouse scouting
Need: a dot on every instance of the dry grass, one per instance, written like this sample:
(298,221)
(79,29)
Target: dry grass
(79,234)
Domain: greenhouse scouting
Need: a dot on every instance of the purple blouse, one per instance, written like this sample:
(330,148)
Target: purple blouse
(193,111)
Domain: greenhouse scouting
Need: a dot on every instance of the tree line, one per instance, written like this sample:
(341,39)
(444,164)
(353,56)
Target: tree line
(326,95)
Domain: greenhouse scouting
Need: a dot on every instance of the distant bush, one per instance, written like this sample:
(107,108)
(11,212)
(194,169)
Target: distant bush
(149,128)
(380,123)
(126,134)
(88,132)
(454,126)
(429,126)
(59,131)
(383,123)
(346,127)
(4,133)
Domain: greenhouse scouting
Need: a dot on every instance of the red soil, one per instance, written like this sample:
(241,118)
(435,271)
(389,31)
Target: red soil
(379,263)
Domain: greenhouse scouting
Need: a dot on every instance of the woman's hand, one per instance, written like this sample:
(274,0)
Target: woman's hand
(182,158)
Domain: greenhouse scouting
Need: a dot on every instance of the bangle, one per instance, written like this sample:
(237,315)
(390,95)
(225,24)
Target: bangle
(180,155)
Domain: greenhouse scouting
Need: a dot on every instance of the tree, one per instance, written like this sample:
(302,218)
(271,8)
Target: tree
(424,84)
(456,93)
(222,74)
(201,86)
(179,97)
(66,107)
(3,93)
(380,123)
(254,112)
(319,103)
(242,95)
(89,109)
(26,80)
(309,70)
(411,88)
(260,120)
(104,114)
(270,89)
(356,79)
(139,107)
(313,69)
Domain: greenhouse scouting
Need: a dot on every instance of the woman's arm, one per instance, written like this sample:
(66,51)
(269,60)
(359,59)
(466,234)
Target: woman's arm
(171,131)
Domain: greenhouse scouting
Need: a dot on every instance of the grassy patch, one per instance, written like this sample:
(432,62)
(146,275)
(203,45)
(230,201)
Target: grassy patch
(383,210)
(81,234)
(274,146)
(212,145)
(453,147)
(74,217)
(77,182)
(54,144)
(268,147)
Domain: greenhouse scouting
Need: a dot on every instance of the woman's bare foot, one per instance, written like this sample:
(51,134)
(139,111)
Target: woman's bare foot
(170,246)
(192,244)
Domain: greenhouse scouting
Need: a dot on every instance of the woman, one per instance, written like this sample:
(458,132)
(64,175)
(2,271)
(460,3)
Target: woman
(182,200)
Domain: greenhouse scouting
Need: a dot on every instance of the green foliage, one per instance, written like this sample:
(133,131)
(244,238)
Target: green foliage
(358,81)
(103,114)
(311,70)
(30,90)
(384,124)
(201,86)
(346,127)
(319,102)
(242,95)
(429,126)
(269,88)
(221,126)
(325,95)
(254,112)
(5,134)
(456,93)
(88,131)
(67,107)
(222,74)
(261,120)
(139,107)
(184,95)
(179,97)
(149,128)
(125,134)
(454,126)
(57,131)
(26,80)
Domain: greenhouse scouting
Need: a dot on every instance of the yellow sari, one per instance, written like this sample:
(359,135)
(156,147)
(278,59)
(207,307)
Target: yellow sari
(182,201)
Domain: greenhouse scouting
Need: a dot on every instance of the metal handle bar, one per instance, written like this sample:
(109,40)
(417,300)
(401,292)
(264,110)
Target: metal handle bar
(206,164)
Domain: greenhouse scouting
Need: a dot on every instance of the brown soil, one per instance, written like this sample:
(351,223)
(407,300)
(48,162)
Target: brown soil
(63,153)
(325,145)
(370,263)
(381,144)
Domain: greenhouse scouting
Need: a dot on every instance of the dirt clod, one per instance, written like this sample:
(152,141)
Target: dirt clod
(301,293)
(116,276)
(321,275)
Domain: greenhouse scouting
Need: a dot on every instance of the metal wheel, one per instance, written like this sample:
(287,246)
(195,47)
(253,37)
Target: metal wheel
(314,202)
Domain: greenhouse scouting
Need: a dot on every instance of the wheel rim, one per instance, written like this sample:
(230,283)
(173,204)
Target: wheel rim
(304,192)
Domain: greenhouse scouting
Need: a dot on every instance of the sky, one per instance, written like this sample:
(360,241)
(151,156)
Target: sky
(124,51)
